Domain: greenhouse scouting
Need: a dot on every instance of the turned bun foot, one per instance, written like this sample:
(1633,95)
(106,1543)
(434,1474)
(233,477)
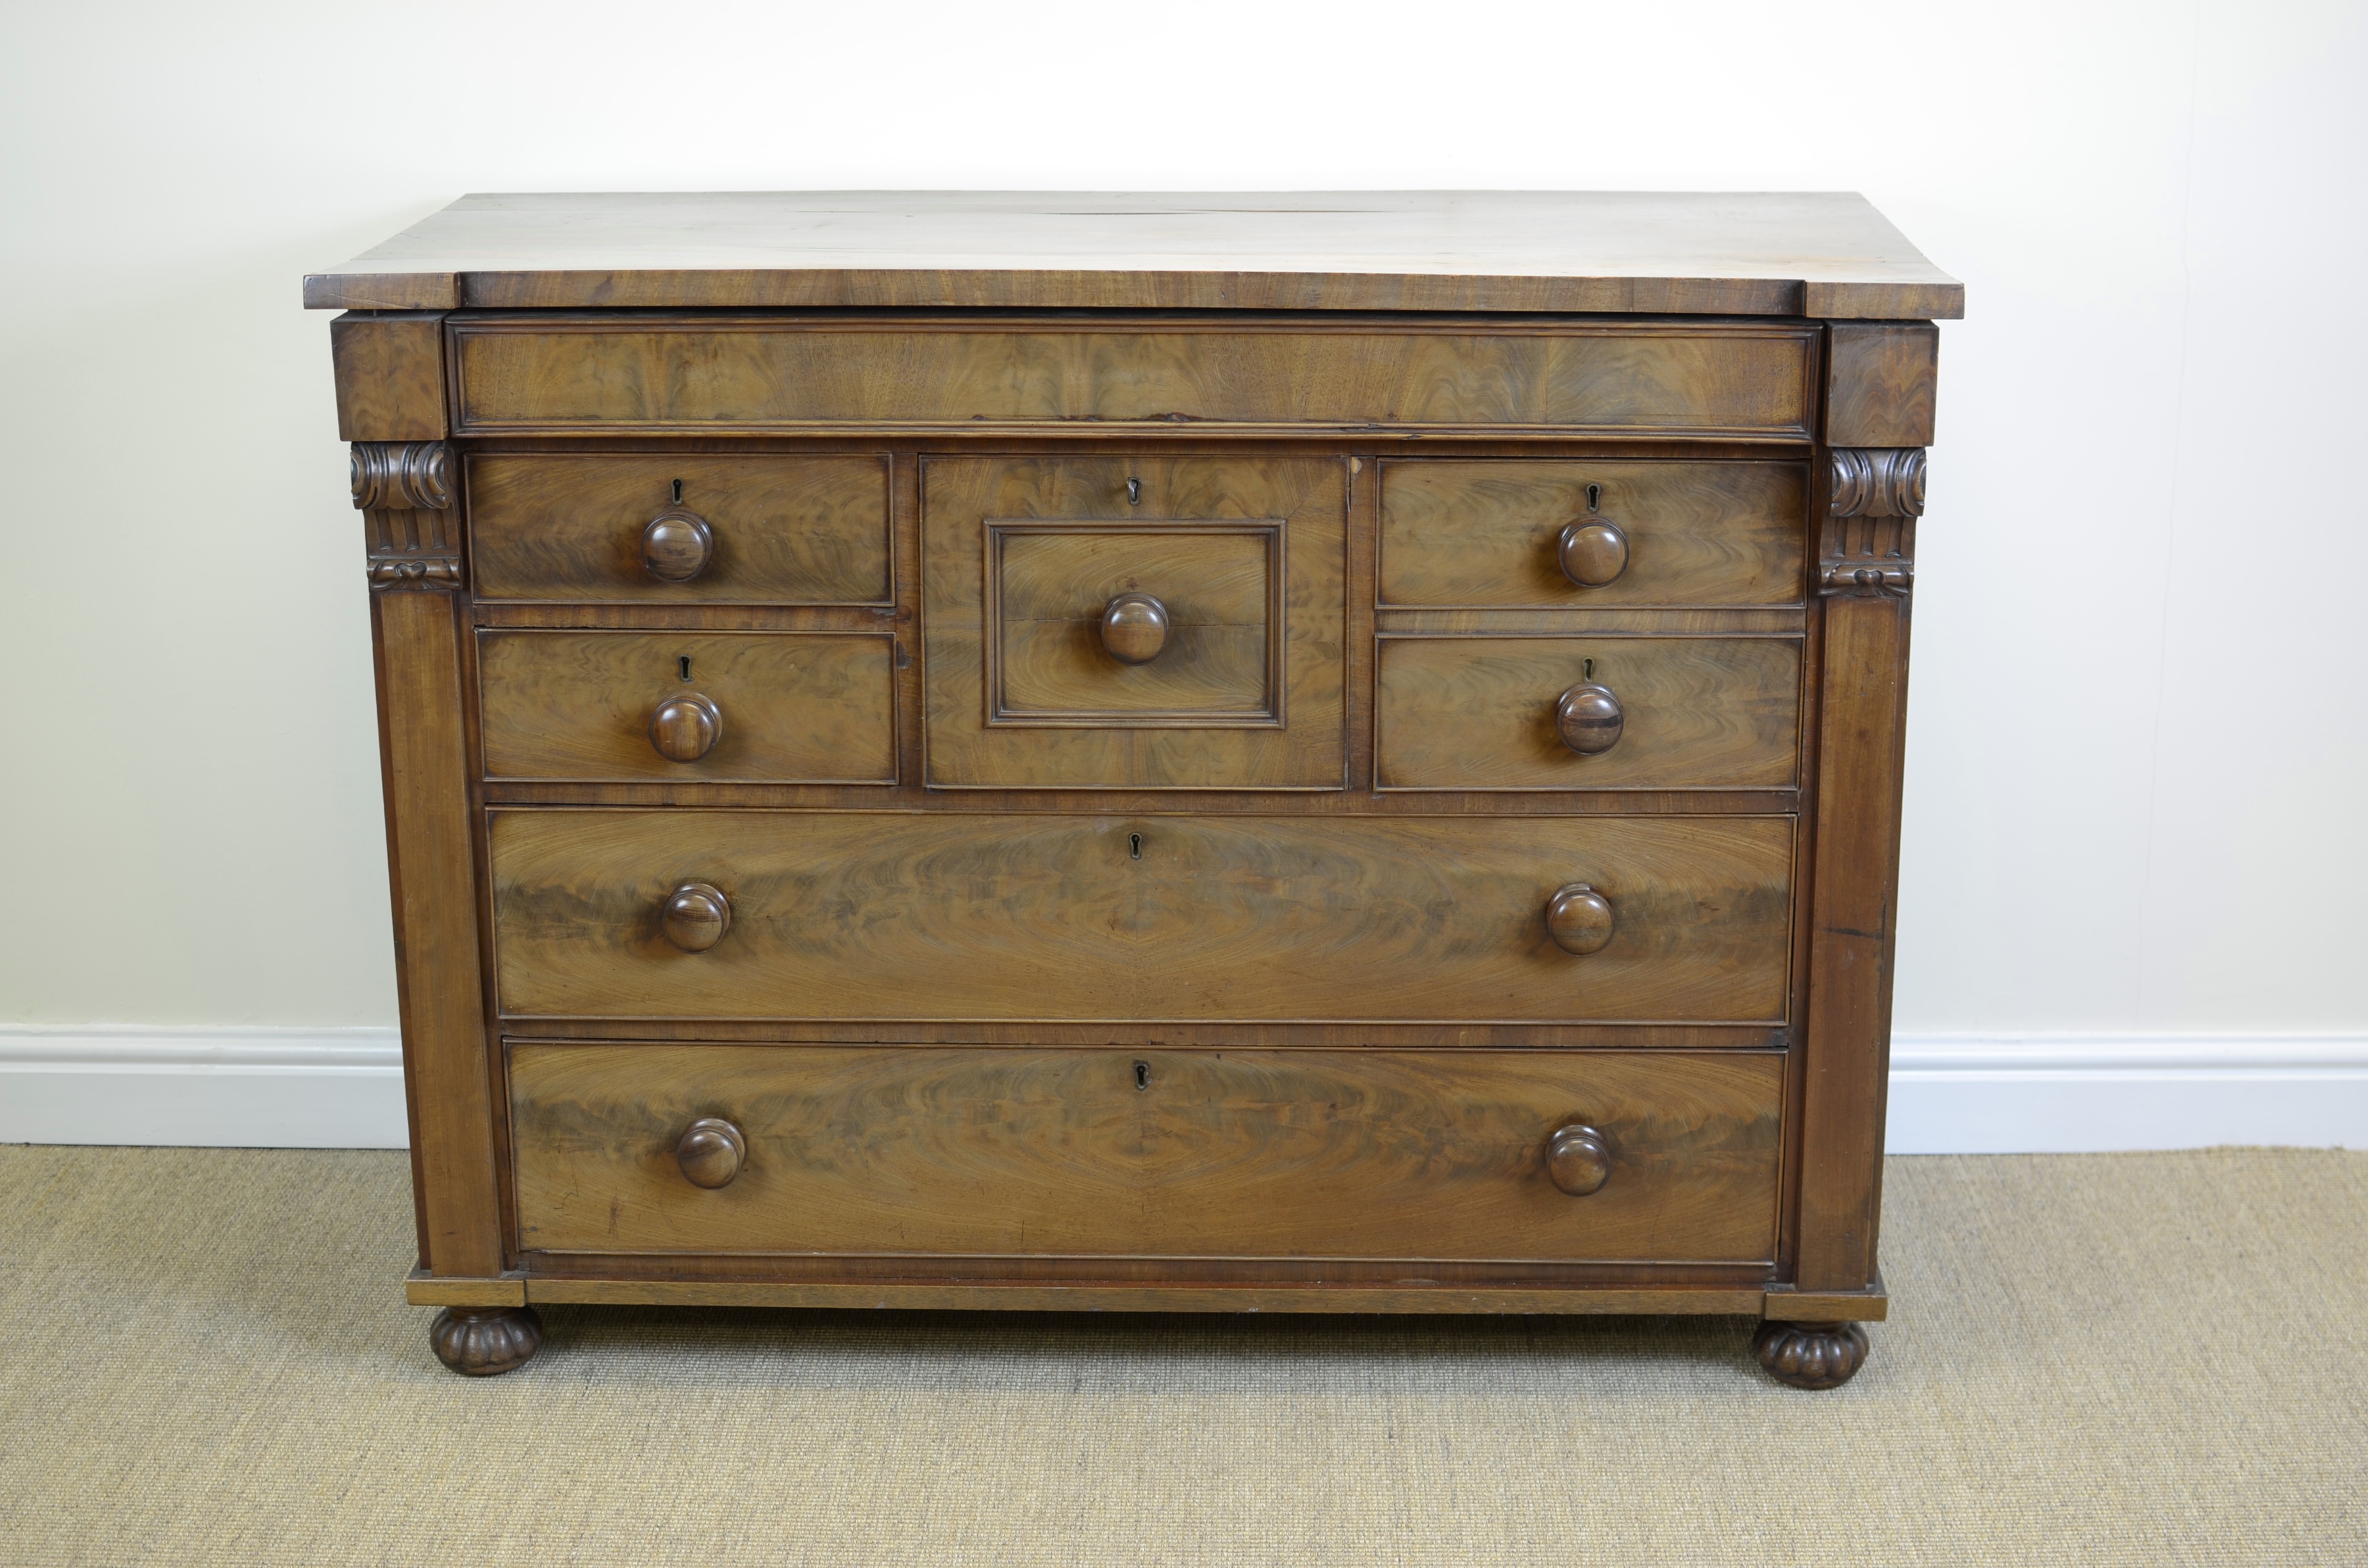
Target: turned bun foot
(1811,1355)
(482,1342)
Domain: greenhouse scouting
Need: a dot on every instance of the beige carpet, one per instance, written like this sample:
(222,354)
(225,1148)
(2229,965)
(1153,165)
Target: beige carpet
(2107,1360)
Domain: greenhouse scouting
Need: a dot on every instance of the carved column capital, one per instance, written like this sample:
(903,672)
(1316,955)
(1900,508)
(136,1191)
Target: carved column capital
(402,476)
(1874,494)
(404,490)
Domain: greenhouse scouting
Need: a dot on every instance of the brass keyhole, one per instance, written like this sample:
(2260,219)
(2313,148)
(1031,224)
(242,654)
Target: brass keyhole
(1133,492)
(1143,1074)
(685,663)
(1134,846)
(1594,497)
(677,493)
(1586,669)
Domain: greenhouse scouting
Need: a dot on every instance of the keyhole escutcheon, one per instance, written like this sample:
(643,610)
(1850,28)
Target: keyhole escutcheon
(1143,1074)
(684,663)
(1133,492)
(1134,846)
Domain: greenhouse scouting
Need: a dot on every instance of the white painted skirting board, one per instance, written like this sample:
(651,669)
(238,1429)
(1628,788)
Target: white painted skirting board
(264,1088)
(1950,1094)
(2067,1093)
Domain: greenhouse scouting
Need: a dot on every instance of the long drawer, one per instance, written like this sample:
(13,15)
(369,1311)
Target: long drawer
(956,915)
(1547,1155)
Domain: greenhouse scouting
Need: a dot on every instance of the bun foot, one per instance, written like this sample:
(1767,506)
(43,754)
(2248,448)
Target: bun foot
(483,1342)
(1811,1355)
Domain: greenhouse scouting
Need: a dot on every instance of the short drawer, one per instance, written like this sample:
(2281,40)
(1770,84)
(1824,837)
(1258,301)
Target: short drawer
(687,529)
(1544,1155)
(879,915)
(780,708)
(1491,535)
(1587,712)
(1135,622)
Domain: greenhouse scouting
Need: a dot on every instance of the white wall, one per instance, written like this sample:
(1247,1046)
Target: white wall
(2138,721)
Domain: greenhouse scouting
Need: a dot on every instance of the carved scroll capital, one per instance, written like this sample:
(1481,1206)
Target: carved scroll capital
(402,476)
(1878,482)
(1869,545)
(405,492)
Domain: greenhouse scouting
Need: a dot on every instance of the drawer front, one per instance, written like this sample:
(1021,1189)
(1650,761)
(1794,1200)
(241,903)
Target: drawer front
(554,373)
(1488,535)
(954,916)
(780,530)
(1255,1154)
(784,707)
(1234,677)
(1485,712)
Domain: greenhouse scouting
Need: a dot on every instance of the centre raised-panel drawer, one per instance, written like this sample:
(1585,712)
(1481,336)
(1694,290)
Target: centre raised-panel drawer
(1564,1156)
(959,915)
(1135,622)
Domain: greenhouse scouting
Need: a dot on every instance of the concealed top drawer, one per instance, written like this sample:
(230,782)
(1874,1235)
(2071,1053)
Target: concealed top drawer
(548,372)
(1492,534)
(680,529)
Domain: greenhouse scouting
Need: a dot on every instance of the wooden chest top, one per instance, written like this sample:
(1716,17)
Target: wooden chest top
(1824,254)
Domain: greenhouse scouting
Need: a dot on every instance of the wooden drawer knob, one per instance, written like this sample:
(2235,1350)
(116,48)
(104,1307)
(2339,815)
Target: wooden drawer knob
(676,545)
(1135,627)
(710,1152)
(1589,718)
(686,728)
(1576,1160)
(1580,919)
(696,917)
(1593,552)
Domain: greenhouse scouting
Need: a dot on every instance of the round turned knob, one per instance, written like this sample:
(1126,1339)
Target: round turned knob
(1580,919)
(1593,552)
(696,917)
(1135,627)
(1589,718)
(676,545)
(711,1151)
(685,727)
(1576,1160)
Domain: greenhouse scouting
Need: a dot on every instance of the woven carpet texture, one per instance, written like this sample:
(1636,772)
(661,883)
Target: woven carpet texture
(2092,1359)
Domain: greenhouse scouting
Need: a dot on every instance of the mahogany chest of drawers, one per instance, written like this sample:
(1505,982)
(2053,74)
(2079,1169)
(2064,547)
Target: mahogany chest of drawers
(1330,753)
